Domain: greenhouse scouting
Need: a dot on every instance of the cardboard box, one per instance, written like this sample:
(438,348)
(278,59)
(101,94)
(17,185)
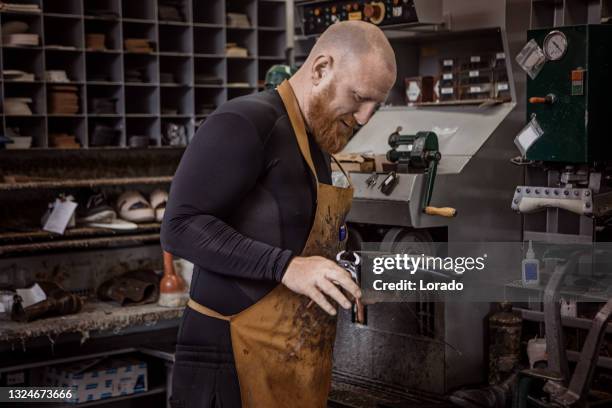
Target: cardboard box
(354,163)
(98,379)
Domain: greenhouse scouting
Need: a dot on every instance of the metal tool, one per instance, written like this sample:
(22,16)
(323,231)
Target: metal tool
(351,262)
(372,180)
(389,183)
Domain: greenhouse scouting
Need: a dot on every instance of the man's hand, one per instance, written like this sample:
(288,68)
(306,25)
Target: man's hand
(315,276)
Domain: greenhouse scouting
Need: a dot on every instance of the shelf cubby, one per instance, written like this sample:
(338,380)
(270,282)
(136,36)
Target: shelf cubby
(140,68)
(139,10)
(187,123)
(177,101)
(272,44)
(209,40)
(606,10)
(114,123)
(271,14)
(67,7)
(103,9)
(76,126)
(64,89)
(104,67)
(180,12)
(241,70)
(179,68)
(33,126)
(24,59)
(73,63)
(142,100)
(111,29)
(143,126)
(63,32)
(209,12)
(208,99)
(140,30)
(105,99)
(176,39)
(248,7)
(33,90)
(243,38)
(33,20)
(207,69)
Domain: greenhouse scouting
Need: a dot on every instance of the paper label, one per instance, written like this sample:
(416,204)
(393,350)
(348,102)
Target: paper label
(475,58)
(531,59)
(447,76)
(500,55)
(31,296)
(448,63)
(528,136)
(60,216)
(446,91)
(474,74)
(475,89)
(502,87)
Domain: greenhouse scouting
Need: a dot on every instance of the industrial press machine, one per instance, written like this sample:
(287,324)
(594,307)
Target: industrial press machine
(565,145)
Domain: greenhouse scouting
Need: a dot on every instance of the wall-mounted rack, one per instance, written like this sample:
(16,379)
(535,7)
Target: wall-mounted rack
(133,69)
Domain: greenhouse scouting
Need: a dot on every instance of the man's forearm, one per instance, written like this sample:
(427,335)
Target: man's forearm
(207,241)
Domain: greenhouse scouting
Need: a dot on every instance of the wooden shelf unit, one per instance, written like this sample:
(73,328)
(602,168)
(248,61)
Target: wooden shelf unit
(188,52)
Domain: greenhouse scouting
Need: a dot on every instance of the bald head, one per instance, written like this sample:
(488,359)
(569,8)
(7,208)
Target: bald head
(351,41)
(348,73)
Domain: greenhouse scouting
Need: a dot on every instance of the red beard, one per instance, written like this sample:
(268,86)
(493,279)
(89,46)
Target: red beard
(330,133)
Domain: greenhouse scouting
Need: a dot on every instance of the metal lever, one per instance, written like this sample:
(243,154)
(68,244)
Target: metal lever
(548,99)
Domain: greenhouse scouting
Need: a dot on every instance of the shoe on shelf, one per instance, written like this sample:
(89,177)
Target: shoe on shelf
(14,27)
(17,106)
(116,224)
(158,200)
(132,206)
(96,210)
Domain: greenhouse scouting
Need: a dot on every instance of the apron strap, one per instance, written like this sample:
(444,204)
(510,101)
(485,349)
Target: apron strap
(342,170)
(206,311)
(297,122)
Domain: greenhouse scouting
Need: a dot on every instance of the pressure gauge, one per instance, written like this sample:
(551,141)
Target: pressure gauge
(555,45)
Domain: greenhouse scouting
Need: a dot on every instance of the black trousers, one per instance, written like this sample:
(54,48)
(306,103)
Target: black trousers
(204,374)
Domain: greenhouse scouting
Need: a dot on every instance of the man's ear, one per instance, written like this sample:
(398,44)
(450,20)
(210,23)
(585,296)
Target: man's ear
(321,67)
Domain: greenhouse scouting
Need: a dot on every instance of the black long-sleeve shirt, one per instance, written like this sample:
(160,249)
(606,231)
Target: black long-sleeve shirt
(242,202)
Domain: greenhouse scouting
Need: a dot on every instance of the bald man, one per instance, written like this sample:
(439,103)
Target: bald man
(252,205)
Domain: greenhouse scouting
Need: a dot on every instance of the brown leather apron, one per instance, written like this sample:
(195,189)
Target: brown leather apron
(282,345)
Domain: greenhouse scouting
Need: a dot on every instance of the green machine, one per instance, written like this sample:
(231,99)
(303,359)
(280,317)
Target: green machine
(416,153)
(569,98)
(569,86)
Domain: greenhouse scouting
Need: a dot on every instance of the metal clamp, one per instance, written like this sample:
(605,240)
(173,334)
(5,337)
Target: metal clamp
(352,266)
